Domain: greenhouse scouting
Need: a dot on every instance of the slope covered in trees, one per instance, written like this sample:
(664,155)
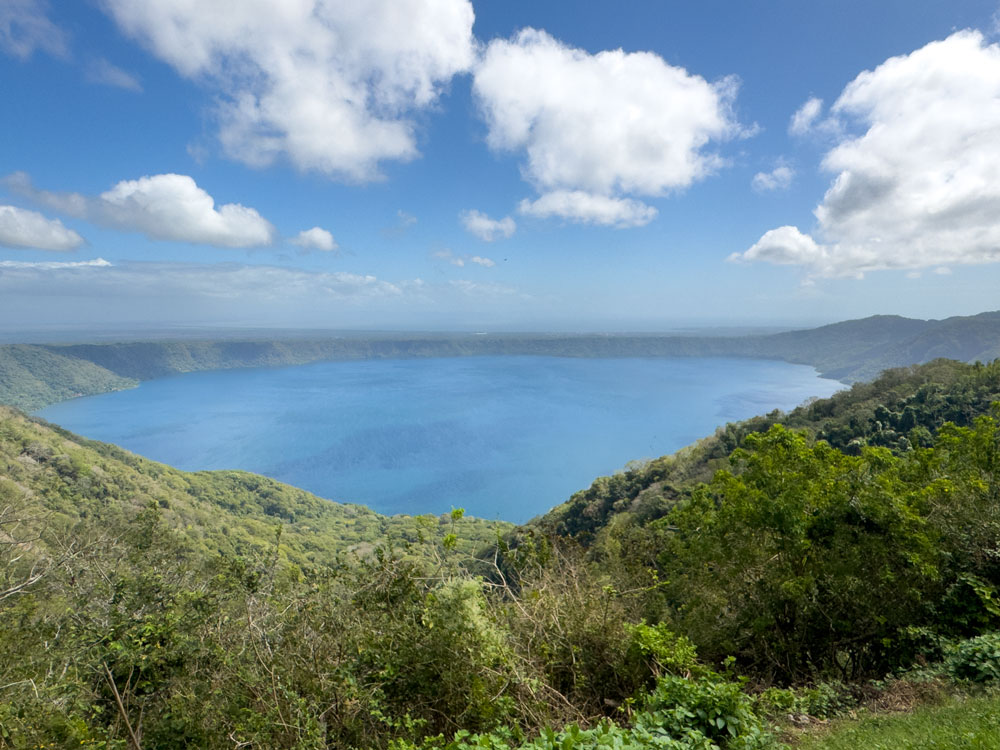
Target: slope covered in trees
(63,480)
(32,377)
(900,410)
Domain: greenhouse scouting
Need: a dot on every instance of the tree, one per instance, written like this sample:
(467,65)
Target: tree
(802,560)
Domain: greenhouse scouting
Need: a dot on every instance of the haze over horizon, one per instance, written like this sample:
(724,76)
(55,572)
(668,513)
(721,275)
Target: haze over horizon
(461,166)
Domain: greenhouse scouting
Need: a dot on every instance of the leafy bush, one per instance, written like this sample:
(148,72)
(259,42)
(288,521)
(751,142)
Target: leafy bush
(821,701)
(662,650)
(977,659)
(707,713)
(709,706)
(786,559)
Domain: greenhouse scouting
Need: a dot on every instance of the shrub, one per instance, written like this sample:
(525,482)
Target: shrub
(977,659)
(710,706)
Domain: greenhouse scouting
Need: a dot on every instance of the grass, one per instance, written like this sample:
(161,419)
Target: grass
(971,723)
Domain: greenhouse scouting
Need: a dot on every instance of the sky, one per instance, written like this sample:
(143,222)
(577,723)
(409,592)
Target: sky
(501,166)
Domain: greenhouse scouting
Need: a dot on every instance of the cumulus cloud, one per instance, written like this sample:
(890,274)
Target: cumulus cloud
(779,178)
(805,116)
(460,260)
(605,126)
(784,246)
(331,86)
(315,239)
(102,72)
(485,228)
(25,27)
(162,207)
(918,183)
(588,208)
(21,228)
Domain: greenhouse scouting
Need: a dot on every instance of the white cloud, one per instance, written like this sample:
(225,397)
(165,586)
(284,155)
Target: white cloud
(485,228)
(163,207)
(332,86)
(102,72)
(21,228)
(173,207)
(784,246)
(919,185)
(605,125)
(460,260)
(25,27)
(55,265)
(315,239)
(805,116)
(588,208)
(779,178)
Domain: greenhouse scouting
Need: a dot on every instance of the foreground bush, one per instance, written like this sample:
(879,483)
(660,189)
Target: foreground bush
(705,713)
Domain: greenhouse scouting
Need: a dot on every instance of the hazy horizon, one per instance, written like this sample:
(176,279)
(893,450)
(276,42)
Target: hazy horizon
(130,332)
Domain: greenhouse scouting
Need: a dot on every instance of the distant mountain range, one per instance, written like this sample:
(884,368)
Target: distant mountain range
(33,376)
(858,350)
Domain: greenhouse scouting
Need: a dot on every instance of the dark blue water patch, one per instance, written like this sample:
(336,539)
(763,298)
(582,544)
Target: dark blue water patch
(502,437)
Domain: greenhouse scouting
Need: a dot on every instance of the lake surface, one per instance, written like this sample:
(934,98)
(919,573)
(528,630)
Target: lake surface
(502,437)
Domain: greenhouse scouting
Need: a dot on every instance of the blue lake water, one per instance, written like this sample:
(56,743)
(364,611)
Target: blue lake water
(502,437)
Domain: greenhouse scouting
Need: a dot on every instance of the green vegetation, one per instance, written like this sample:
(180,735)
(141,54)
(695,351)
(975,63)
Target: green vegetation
(900,410)
(851,351)
(787,569)
(32,377)
(68,480)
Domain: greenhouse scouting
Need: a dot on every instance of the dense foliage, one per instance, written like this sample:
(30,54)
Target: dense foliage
(900,410)
(805,562)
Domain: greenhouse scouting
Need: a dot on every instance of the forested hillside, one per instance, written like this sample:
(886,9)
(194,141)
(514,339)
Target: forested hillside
(775,569)
(851,351)
(32,377)
(62,481)
(899,411)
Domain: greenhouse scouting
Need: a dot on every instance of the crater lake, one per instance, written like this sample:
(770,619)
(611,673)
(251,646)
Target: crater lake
(503,437)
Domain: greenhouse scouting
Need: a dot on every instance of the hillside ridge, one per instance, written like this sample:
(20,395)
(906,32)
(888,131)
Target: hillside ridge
(64,479)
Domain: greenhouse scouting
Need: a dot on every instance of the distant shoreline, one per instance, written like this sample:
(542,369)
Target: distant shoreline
(36,375)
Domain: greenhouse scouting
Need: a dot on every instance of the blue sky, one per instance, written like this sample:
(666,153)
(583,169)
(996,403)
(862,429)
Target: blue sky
(441,164)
